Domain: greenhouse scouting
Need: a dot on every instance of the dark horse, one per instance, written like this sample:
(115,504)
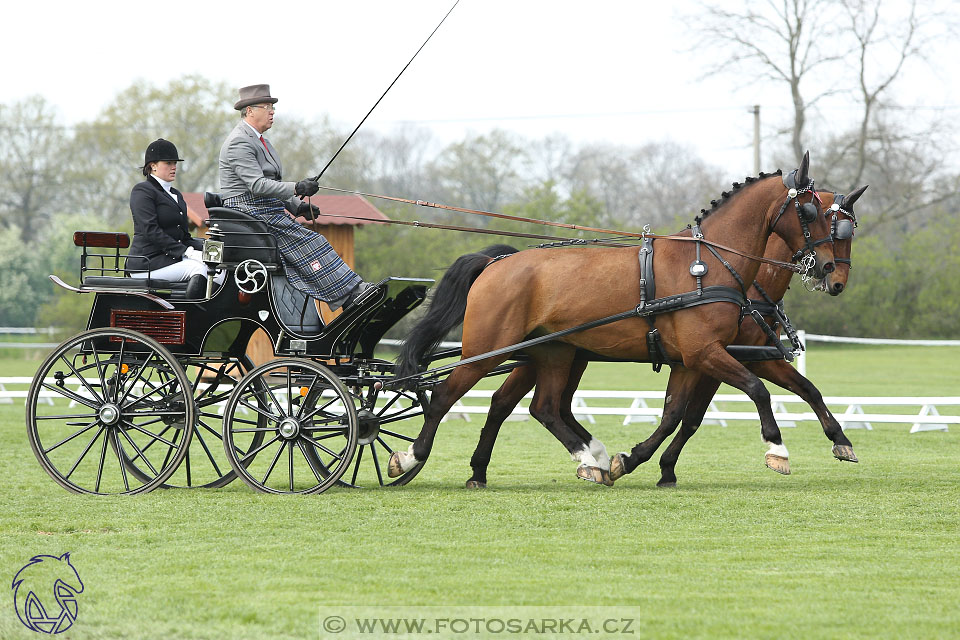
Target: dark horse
(773,283)
(534,293)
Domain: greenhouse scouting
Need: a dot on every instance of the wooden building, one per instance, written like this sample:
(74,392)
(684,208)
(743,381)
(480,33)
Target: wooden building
(341,215)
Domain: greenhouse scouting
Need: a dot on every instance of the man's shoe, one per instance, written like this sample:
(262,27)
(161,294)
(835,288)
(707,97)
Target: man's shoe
(360,293)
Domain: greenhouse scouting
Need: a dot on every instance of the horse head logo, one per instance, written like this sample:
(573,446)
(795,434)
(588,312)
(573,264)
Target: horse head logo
(45,593)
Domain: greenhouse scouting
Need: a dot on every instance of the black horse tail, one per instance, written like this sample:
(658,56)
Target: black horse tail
(447,308)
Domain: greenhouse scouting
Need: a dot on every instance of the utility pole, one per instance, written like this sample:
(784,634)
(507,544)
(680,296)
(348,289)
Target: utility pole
(756,138)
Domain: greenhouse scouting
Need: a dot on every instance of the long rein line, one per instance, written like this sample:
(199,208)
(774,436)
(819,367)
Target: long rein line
(564,225)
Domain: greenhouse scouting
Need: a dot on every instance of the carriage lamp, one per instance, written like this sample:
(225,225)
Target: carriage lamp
(303,392)
(124,368)
(212,251)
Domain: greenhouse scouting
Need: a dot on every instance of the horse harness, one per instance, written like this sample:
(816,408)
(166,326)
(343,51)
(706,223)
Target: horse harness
(650,305)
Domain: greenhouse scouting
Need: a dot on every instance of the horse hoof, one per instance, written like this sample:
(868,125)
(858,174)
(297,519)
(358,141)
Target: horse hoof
(777,463)
(394,470)
(844,452)
(605,478)
(476,484)
(591,474)
(667,484)
(617,469)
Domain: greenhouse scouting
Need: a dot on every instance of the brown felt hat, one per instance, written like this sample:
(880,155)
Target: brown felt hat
(254,94)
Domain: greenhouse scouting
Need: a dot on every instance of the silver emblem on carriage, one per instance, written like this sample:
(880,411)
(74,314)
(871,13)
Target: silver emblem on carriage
(263,315)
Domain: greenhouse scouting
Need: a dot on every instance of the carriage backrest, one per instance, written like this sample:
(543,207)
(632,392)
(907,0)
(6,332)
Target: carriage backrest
(244,237)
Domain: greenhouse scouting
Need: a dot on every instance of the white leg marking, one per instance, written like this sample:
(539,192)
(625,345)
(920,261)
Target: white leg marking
(407,459)
(600,453)
(777,450)
(583,456)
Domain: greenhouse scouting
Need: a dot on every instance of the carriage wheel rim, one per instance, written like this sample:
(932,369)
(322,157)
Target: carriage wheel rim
(113,407)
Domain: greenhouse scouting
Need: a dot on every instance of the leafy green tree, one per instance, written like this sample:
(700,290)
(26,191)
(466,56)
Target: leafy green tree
(33,160)
(194,113)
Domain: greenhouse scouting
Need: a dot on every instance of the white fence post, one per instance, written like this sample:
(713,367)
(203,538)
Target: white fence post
(802,358)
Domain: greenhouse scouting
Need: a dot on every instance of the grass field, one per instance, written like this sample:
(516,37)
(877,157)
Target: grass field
(833,551)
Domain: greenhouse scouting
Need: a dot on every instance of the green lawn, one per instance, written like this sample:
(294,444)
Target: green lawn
(835,550)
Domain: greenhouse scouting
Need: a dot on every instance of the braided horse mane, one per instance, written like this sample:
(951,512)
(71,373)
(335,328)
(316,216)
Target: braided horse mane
(726,195)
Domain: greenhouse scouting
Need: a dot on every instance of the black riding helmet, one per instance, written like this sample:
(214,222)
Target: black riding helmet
(160,150)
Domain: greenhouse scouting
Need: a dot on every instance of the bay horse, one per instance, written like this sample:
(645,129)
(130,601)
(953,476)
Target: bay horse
(769,287)
(533,293)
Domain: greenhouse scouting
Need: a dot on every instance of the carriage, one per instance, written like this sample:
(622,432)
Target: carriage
(159,391)
(161,379)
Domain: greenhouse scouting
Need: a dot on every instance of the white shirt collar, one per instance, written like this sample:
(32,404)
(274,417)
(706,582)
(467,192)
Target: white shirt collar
(166,187)
(252,128)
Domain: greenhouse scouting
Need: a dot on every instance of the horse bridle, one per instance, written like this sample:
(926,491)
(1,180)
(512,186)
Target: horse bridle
(842,229)
(806,213)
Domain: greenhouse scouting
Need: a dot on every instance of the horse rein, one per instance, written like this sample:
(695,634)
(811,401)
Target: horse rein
(620,234)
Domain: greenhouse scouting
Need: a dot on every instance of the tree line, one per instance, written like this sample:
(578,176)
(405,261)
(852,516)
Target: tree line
(59,178)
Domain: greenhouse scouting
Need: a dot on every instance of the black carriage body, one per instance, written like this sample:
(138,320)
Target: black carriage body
(223,323)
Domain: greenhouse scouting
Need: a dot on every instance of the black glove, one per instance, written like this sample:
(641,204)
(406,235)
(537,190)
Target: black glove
(307,210)
(306,187)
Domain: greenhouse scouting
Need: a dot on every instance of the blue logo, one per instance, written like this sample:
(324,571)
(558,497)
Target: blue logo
(45,594)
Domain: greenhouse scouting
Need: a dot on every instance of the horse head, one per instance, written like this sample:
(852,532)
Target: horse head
(843,221)
(798,219)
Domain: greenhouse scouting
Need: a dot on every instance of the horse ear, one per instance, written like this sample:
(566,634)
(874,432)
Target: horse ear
(802,177)
(850,199)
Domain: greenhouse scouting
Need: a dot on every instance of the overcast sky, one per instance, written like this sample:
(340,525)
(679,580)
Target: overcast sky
(609,70)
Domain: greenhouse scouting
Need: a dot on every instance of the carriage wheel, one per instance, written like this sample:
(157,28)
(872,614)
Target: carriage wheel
(205,465)
(113,386)
(310,436)
(391,424)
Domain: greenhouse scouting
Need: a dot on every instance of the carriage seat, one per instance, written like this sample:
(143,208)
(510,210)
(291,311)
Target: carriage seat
(295,310)
(193,289)
(244,237)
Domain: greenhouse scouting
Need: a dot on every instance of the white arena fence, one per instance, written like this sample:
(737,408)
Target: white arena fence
(922,413)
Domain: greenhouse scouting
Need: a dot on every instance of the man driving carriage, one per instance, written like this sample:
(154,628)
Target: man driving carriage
(251,182)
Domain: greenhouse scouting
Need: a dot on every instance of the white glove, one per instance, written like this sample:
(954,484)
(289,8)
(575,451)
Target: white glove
(193,254)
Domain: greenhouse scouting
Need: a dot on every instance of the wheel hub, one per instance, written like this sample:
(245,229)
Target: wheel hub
(109,414)
(369,426)
(289,428)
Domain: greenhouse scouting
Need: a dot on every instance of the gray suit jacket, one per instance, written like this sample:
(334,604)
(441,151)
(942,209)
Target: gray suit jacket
(246,167)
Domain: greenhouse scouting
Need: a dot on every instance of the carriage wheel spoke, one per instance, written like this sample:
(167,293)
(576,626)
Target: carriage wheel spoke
(149,433)
(356,467)
(250,454)
(120,455)
(166,458)
(263,412)
(139,452)
(76,397)
(376,463)
(82,454)
(289,400)
(152,391)
(320,446)
(100,370)
(97,397)
(206,449)
(72,416)
(389,404)
(274,463)
(316,473)
(394,434)
(69,438)
(133,383)
(290,459)
(401,415)
(103,459)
